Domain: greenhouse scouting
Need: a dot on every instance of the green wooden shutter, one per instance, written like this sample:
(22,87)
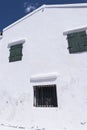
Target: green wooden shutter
(15,53)
(77,42)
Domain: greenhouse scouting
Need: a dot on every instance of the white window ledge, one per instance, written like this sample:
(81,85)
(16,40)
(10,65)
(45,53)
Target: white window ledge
(22,41)
(75,30)
(44,77)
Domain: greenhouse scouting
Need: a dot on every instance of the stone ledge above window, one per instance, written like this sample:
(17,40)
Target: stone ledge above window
(44,77)
(74,30)
(22,41)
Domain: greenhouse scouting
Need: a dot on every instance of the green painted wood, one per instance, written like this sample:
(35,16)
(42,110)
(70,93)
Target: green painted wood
(15,53)
(77,42)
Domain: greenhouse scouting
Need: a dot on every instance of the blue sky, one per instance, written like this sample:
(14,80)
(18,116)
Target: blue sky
(12,10)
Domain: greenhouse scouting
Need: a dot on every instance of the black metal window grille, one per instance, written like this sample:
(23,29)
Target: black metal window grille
(45,96)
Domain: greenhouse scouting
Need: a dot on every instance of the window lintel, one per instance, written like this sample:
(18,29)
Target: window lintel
(75,31)
(44,77)
(22,41)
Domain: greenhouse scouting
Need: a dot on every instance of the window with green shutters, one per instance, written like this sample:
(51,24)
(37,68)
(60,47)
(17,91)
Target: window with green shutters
(77,42)
(15,53)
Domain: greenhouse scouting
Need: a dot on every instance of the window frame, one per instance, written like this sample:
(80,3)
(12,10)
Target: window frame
(41,99)
(78,30)
(13,45)
(77,42)
(16,53)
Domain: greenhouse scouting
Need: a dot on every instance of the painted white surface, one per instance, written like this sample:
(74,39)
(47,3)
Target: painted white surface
(45,51)
(44,77)
(21,41)
(75,30)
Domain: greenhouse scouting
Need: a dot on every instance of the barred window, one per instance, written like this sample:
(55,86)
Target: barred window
(45,96)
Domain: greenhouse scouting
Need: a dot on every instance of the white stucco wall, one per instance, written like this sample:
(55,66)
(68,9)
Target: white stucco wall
(45,52)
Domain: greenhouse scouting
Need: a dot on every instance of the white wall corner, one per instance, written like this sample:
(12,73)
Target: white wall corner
(1,37)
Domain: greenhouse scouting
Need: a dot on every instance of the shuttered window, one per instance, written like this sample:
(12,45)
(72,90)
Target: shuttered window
(45,96)
(15,53)
(77,42)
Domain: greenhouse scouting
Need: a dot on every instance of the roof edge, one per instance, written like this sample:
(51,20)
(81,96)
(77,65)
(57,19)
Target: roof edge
(76,5)
(26,16)
(80,5)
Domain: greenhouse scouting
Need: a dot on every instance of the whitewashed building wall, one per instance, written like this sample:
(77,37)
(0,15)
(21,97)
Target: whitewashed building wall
(45,61)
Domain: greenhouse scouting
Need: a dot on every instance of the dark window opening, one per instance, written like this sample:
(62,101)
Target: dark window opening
(45,96)
(15,53)
(1,33)
(77,42)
